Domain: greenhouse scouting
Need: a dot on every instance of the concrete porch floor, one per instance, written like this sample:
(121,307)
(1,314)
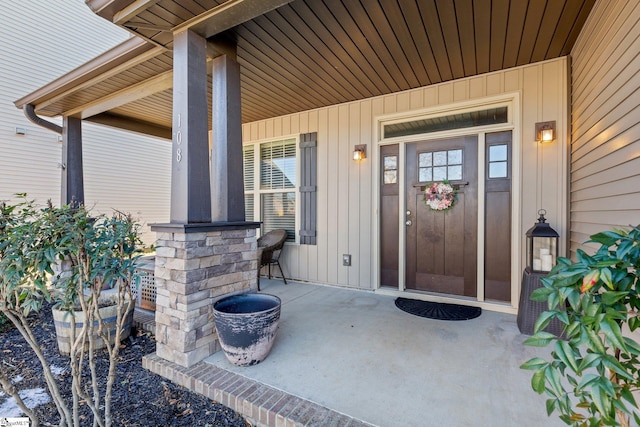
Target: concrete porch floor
(345,357)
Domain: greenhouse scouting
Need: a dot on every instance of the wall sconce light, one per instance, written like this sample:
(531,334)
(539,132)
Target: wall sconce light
(545,131)
(360,152)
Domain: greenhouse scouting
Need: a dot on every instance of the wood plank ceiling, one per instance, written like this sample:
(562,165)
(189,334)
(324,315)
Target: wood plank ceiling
(314,53)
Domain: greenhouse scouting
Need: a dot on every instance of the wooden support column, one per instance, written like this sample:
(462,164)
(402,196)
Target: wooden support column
(197,260)
(227,187)
(72,183)
(190,187)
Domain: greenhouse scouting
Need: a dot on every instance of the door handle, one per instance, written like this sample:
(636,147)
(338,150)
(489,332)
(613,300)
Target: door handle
(408,222)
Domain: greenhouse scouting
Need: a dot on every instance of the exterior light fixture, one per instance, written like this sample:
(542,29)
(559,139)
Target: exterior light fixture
(360,152)
(545,131)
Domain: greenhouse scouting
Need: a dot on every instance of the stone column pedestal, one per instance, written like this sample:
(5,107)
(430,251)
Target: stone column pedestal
(196,264)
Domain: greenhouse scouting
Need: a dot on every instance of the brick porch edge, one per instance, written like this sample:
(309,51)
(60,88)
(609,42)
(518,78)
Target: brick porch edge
(260,404)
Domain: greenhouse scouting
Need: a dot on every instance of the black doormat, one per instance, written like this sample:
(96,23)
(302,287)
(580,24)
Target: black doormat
(438,310)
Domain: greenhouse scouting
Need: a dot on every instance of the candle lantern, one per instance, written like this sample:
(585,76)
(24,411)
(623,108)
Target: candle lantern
(542,246)
(542,254)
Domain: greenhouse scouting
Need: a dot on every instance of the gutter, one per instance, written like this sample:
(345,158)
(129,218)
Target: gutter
(30,112)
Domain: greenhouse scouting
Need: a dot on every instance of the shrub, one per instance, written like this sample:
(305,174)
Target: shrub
(594,367)
(99,253)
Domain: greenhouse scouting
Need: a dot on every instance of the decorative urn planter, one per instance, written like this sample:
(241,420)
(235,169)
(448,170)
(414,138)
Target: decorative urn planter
(247,325)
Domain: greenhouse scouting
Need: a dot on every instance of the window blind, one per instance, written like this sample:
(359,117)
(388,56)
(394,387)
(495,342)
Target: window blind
(249,206)
(279,211)
(278,165)
(248,164)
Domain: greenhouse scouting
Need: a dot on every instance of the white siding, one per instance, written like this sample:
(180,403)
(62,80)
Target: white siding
(346,189)
(605,148)
(39,41)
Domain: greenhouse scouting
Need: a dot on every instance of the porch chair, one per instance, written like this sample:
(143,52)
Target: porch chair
(271,244)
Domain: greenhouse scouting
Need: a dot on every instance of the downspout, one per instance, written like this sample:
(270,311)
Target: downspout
(72,188)
(30,112)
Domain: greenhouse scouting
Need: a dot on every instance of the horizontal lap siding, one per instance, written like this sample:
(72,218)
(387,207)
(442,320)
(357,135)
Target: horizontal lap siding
(346,189)
(40,41)
(127,172)
(605,149)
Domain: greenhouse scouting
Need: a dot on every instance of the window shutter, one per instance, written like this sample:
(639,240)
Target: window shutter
(308,182)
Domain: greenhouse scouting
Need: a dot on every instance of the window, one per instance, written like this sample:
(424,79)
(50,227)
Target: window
(271,185)
(390,169)
(248,156)
(498,158)
(440,165)
(449,122)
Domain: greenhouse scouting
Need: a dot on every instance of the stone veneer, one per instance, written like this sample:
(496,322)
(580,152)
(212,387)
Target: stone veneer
(195,267)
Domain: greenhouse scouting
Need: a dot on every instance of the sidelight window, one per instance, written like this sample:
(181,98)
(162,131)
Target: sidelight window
(390,165)
(498,161)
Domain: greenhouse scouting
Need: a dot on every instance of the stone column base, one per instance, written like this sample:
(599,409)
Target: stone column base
(197,264)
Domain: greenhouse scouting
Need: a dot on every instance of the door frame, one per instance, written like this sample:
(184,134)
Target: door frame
(512,102)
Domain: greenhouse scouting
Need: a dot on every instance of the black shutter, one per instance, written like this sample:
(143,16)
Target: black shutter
(308,174)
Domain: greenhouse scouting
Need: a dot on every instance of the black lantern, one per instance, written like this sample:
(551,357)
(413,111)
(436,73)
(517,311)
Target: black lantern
(542,246)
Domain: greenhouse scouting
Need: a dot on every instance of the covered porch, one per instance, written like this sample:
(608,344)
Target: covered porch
(227,78)
(264,102)
(349,357)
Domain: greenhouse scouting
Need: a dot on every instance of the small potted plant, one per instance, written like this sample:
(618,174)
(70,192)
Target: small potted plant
(594,366)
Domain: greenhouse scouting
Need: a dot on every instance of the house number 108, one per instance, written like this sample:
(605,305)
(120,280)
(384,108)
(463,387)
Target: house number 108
(179,141)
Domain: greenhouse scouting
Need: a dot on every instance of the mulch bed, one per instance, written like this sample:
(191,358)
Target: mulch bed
(140,398)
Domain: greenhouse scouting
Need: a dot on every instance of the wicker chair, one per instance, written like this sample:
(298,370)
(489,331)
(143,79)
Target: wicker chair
(271,245)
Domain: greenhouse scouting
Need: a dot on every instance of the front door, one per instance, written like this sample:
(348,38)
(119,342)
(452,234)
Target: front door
(441,253)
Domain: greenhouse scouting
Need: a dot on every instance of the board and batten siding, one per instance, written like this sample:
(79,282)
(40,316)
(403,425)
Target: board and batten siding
(605,147)
(346,189)
(41,40)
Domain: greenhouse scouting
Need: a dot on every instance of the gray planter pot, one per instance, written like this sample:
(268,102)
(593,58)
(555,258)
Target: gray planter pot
(247,325)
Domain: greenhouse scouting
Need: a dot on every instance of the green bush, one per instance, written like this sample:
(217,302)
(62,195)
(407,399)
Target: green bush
(594,367)
(97,252)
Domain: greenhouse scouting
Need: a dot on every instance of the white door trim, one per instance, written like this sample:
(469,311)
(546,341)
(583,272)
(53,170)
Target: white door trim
(512,101)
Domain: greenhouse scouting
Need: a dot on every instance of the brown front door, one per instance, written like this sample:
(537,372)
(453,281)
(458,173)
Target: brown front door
(441,253)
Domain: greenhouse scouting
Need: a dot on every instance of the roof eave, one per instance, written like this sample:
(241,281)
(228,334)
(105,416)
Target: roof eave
(107,8)
(118,55)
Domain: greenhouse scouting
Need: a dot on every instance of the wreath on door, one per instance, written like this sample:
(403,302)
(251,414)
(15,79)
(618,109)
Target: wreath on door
(440,196)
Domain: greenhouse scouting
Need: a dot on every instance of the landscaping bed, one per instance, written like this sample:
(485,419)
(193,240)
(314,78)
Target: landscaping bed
(140,398)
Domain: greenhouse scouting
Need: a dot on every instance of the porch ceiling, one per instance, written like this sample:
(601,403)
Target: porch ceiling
(304,54)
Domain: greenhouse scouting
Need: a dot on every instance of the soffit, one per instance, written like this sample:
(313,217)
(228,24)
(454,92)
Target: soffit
(311,53)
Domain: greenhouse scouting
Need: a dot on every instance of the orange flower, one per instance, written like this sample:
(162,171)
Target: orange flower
(590,280)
